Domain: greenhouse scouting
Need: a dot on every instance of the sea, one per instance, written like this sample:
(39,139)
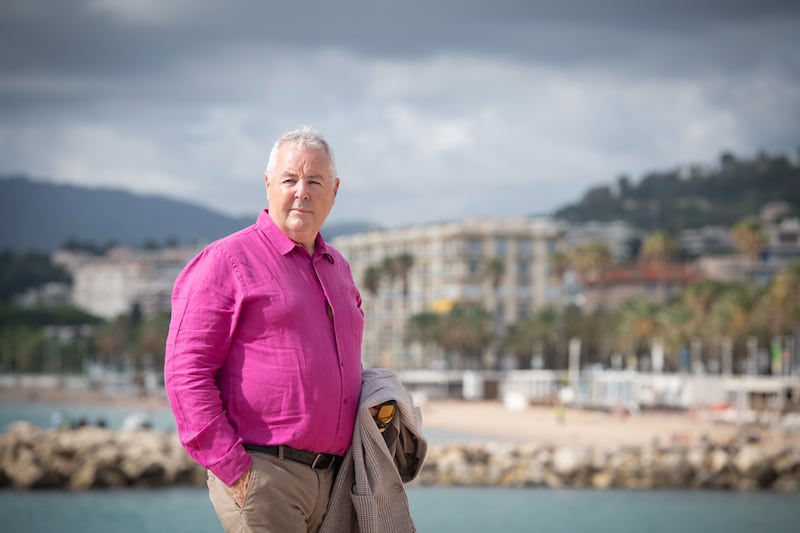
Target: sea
(434,509)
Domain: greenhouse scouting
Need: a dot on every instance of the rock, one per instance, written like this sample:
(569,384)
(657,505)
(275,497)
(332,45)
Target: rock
(90,458)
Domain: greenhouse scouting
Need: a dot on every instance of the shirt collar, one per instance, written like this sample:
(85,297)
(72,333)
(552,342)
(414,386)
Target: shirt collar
(283,243)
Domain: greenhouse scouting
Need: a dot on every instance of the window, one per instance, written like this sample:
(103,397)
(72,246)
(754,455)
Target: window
(500,245)
(524,247)
(474,246)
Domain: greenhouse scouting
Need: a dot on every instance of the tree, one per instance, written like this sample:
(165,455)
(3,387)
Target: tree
(535,332)
(372,279)
(749,239)
(699,298)
(658,249)
(559,264)
(403,264)
(22,348)
(591,261)
(467,332)
(639,324)
(494,270)
(425,329)
(112,340)
(19,272)
(780,305)
(732,318)
(151,340)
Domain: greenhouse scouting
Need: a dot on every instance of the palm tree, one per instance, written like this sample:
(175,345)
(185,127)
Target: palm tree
(749,239)
(467,331)
(731,319)
(699,298)
(390,270)
(640,322)
(403,263)
(591,261)
(658,250)
(538,330)
(780,304)
(426,329)
(494,270)
(372,279)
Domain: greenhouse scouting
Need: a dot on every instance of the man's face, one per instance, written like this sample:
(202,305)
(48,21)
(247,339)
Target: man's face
(301,192)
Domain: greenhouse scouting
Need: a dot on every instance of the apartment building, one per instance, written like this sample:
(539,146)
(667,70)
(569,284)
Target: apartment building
(110,285)
(501,264)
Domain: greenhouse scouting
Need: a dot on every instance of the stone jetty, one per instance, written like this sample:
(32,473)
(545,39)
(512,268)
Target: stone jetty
(95,458)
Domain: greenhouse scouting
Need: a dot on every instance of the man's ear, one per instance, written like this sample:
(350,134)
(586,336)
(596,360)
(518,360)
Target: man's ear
(336,186)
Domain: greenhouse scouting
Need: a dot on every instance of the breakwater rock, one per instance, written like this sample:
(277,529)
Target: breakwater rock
(745,466)
(93,458)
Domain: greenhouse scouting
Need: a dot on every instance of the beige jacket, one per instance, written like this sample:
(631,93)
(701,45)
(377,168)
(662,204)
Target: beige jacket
(368,493)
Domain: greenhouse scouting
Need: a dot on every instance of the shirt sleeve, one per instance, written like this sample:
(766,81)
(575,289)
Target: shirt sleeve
(205,307)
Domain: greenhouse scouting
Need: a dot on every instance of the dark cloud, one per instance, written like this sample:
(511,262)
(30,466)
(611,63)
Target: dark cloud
(71,35)
(422,96)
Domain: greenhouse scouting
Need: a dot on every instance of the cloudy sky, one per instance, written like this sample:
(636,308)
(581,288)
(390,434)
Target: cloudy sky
(435,109)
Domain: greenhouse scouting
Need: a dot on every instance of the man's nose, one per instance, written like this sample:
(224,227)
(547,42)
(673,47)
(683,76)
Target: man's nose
(301,191)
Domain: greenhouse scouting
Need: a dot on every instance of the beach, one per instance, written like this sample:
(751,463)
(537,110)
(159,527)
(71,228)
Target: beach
(574,426)
(488,419)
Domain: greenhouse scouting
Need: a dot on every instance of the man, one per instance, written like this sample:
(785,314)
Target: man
(263,359)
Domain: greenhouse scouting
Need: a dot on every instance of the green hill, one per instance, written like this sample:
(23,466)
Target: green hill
(694,196)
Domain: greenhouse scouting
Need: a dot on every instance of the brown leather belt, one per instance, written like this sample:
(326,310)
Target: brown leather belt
(317,461)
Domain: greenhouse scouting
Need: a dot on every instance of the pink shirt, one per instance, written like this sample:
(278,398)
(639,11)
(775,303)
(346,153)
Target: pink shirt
(254,355)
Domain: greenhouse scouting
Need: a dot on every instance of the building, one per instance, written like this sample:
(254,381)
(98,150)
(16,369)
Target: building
(503,265)
(618,236)
(659,283)
(111,285)
(705,241)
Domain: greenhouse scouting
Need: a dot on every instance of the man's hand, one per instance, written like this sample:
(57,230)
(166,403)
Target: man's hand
(239,487)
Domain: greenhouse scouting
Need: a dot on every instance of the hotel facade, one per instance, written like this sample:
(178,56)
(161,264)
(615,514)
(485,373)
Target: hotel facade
(501,264)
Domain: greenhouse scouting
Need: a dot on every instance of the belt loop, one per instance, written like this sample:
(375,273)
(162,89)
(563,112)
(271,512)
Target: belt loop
(280,452)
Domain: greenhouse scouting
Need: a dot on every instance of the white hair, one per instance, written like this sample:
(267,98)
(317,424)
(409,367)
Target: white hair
(302,136)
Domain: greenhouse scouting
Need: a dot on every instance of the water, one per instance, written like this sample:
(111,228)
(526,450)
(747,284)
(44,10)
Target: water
(40,414)
(435,510)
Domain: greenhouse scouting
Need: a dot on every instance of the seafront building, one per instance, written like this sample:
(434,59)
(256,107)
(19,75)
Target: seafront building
(500,264)
(111,285)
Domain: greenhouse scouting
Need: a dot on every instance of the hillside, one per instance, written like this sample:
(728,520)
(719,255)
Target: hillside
(692,197)
(38,216)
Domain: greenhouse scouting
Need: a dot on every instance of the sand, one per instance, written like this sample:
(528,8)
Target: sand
(576,427)
(487,420)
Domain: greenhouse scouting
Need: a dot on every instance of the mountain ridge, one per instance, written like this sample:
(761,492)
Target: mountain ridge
(40,216)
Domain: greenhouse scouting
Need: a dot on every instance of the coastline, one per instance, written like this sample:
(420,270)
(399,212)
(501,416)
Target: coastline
(490,419)
(493,446)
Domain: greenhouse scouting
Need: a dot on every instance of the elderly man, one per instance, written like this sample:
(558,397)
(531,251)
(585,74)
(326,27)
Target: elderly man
(263,359)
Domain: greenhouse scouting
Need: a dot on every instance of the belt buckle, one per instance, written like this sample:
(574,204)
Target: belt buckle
(316,465)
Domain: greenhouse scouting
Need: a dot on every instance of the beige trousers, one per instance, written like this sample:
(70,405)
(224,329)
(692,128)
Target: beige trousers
(283,496)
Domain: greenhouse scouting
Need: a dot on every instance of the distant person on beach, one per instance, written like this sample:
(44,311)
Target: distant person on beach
(263,358)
